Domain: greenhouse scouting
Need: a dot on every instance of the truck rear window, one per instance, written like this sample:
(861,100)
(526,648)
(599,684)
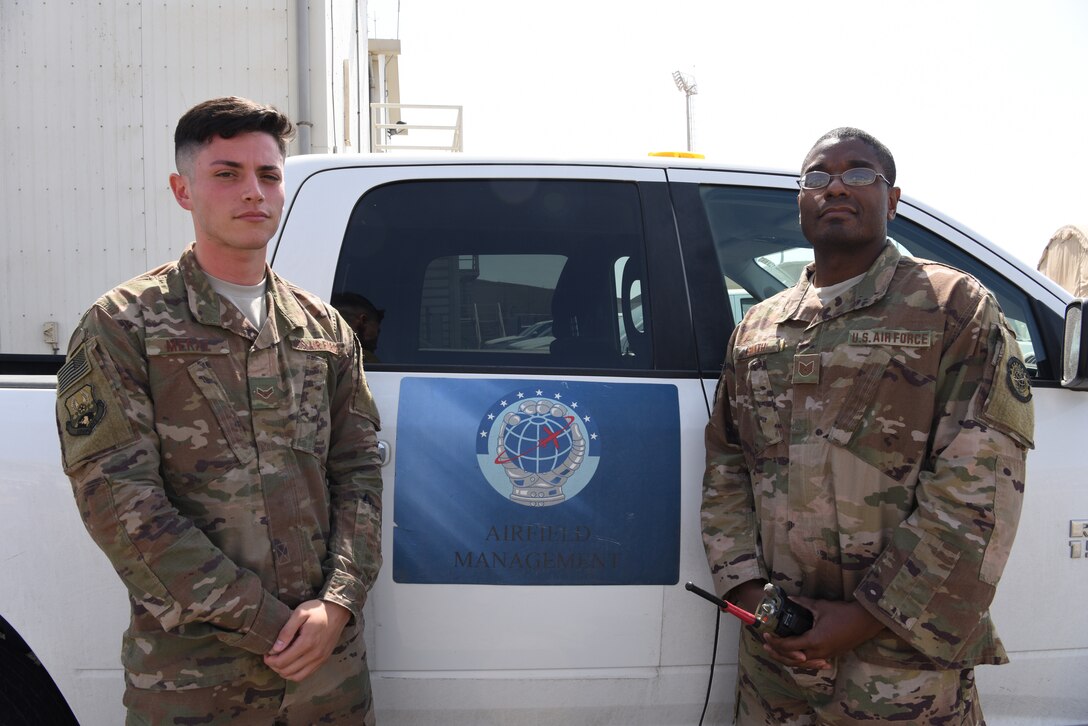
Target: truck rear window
(510,273)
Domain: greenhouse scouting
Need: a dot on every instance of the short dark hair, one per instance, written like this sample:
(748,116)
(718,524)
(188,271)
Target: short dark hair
(227,117)
(883,155)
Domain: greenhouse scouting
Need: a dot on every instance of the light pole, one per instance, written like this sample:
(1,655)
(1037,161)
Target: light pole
(686,84)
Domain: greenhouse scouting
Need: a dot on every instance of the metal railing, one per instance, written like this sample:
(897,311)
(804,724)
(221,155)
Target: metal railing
(383,133)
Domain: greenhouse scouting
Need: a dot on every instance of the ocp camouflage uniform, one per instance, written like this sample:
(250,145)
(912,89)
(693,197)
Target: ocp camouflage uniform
(229,474)
(872,450)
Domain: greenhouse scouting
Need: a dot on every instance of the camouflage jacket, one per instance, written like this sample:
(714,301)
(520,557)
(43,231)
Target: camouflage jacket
(874,450)
(228,474)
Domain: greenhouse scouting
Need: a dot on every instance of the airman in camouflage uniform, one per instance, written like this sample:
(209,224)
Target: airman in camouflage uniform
(867,454)
(228,469)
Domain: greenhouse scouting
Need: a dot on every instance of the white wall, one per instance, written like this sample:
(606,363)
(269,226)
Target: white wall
(92,92)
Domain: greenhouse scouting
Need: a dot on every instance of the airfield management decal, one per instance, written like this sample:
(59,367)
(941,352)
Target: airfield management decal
(537,450)
(501,481)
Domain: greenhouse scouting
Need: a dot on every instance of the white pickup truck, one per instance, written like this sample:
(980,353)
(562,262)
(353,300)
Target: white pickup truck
(569,320)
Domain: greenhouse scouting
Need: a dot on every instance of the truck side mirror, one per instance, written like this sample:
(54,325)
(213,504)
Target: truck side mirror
(1075,347)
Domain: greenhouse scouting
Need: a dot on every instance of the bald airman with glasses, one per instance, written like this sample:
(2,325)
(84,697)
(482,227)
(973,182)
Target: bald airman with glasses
(866,452)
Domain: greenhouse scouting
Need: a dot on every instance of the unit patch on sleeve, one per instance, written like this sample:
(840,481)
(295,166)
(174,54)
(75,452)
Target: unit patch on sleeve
(1008,400)
(1016,376)
(85,411)
(91,412)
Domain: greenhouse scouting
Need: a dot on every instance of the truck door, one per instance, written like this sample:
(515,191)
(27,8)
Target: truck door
(537,378)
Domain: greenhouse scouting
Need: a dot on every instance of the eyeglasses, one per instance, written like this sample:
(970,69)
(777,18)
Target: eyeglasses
(860,177)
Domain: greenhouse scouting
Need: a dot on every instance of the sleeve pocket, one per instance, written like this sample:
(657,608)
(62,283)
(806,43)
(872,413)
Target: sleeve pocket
(1008,495)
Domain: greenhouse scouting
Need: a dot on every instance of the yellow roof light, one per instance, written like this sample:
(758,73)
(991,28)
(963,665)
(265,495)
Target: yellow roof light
(678,154)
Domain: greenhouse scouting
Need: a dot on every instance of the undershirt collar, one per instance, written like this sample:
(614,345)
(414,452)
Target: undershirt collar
(830,292)
(247,298)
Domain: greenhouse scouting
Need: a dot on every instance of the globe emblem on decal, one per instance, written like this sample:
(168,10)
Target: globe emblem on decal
(539,450)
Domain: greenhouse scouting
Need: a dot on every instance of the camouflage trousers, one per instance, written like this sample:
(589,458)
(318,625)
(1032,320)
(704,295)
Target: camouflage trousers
(338,693)
(852,692)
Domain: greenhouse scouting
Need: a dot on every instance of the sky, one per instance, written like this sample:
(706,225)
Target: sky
(977,101)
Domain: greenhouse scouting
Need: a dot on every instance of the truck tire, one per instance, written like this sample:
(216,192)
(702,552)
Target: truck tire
(28,695)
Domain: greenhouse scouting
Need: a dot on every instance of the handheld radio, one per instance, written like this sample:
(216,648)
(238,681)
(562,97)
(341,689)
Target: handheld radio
(776,613)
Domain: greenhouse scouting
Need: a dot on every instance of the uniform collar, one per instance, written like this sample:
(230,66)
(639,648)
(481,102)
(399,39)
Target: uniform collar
(284,315)
(801,304)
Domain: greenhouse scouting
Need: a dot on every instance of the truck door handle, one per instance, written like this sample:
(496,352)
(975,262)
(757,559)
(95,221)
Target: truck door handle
(383,452)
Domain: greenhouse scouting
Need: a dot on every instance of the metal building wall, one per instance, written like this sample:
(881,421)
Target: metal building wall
(91,94)
(192,51)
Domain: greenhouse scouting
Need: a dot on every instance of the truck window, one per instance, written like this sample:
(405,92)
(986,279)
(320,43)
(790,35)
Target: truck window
(489,302)
(504,273)
(760,250)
